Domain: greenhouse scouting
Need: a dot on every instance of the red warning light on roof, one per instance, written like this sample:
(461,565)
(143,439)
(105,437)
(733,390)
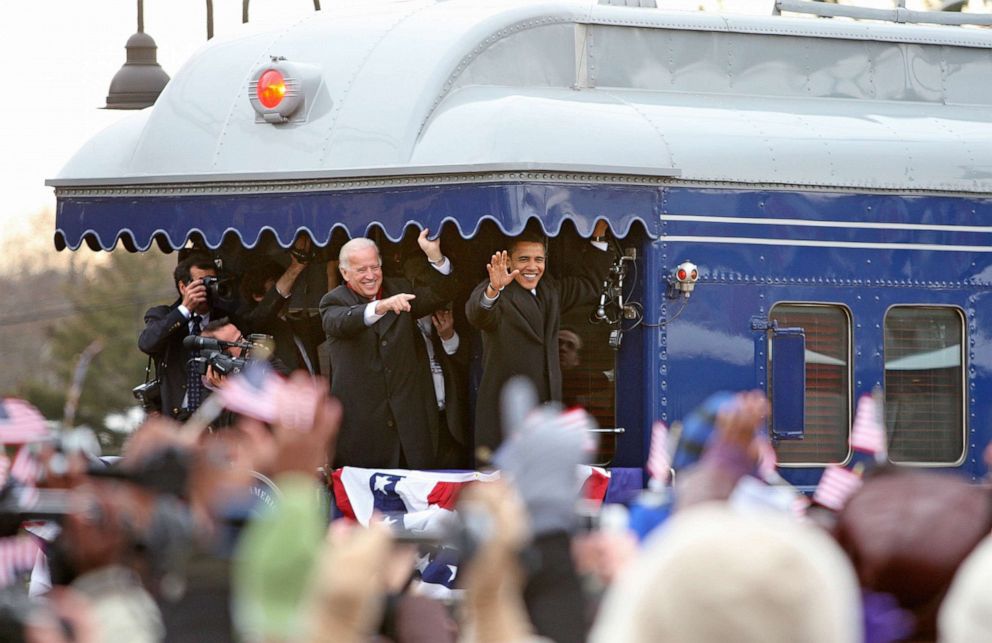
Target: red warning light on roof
(271,88)
(281,90)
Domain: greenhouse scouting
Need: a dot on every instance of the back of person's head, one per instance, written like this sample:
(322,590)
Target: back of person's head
(966,613)
(195,259)
(359,243)
(215,325)
(713,574)
(907,533)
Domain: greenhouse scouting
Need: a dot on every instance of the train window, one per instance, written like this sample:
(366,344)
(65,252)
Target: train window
(828,388)
(924,384)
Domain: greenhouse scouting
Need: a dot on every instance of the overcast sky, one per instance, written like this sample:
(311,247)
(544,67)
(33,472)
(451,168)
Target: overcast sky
(59,58)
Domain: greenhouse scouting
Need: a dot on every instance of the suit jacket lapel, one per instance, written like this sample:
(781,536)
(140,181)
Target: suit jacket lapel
(549,310)
(526,304)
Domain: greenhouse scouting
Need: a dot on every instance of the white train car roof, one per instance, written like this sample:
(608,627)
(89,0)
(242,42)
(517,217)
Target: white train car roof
(428,92)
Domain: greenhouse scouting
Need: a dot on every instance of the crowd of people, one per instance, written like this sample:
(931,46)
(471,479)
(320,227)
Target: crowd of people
(221,527)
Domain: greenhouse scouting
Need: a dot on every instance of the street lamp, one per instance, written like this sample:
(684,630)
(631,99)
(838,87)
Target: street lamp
(139,82)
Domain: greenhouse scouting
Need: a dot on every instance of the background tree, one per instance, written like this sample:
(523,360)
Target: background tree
(108,302)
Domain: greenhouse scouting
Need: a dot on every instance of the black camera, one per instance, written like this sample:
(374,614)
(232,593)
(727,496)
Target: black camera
(149,395)
(222,363)
(218,289)
(303,256)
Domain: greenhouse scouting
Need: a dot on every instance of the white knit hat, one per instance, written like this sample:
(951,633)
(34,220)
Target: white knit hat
(711,574)
(966,612)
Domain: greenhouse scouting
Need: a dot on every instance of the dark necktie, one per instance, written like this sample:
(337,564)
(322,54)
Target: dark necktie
(537,300)
(194,391)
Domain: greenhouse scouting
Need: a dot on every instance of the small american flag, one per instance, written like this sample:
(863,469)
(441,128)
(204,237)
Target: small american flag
(17,556)
(26,467)
(767,460)
(659,459)
(20,422)
(800,504)
(836,485)
(868,433)
(4,469)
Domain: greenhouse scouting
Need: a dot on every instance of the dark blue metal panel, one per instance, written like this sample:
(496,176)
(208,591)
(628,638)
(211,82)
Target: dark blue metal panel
(100,221)
(829,206)
(788,373)
(743,275)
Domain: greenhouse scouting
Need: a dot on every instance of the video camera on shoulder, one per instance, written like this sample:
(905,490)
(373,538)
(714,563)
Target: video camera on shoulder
(222,363)
(211,353)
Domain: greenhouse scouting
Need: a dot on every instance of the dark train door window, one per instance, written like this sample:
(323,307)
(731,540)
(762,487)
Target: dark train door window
(588,374)
(828,382)
(924,384)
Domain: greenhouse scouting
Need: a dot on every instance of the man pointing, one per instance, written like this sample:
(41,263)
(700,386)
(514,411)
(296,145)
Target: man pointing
(371,328)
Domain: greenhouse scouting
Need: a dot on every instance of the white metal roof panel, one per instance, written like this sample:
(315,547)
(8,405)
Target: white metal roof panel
(764,100)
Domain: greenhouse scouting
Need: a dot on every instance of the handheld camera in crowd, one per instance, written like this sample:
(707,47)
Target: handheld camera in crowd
(149,395)
(218,289)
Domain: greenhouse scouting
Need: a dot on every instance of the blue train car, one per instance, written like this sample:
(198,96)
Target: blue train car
(830,181)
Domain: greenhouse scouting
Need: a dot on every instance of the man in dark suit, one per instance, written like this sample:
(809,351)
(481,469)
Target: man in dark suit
(167,326)
(518,309)
(372,335)
(447,356)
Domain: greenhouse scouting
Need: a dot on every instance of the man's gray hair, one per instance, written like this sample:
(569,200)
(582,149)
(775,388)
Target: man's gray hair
(360,243)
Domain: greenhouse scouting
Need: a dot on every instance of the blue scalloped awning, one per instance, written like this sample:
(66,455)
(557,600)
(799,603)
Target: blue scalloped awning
(170,220)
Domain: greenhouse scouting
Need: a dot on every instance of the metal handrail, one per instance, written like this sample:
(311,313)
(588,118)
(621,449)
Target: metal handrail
(899,14)
(618,429)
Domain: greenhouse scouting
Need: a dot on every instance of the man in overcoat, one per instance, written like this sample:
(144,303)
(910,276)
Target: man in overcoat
(386,391)
(518,309)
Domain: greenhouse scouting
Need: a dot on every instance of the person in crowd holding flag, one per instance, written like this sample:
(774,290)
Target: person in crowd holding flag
(370,322)
(518,308)
(869,447)
(167,326)
(731,448)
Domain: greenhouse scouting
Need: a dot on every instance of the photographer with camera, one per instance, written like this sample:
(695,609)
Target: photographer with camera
(201,294)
